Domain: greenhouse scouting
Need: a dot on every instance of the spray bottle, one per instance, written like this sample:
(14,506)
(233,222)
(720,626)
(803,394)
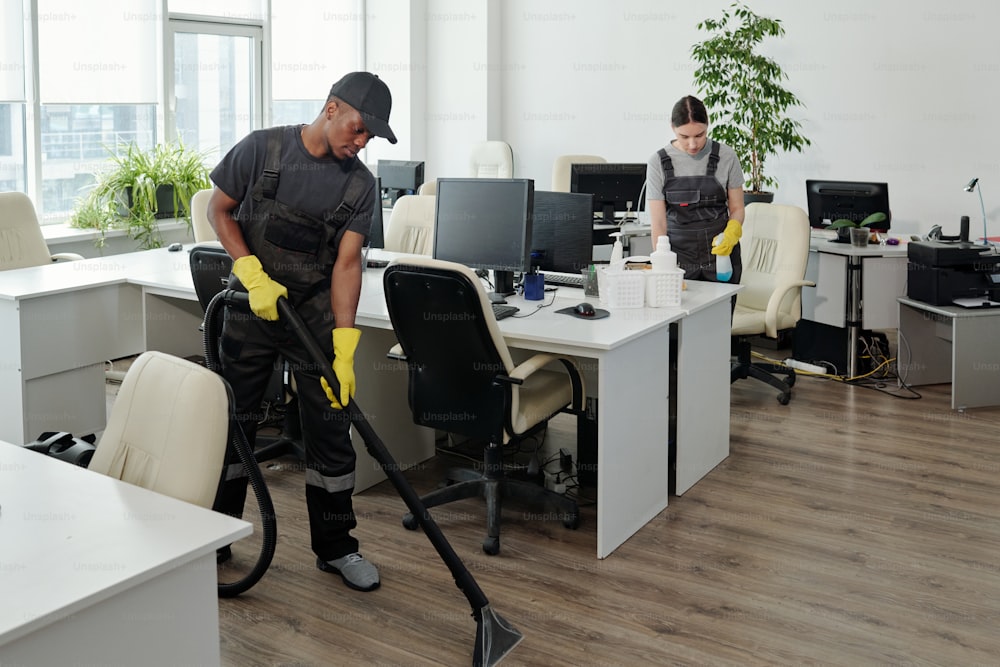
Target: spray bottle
(723,265)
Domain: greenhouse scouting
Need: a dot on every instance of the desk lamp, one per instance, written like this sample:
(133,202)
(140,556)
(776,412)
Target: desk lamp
(969,188)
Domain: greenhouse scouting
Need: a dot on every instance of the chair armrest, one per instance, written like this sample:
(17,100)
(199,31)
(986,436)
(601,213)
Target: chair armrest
(65,257)
(539,361)
(396,352)
(779,293)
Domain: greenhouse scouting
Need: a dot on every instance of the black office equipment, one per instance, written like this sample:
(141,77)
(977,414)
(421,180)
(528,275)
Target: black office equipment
(562,232)
(502,311)
(486,223)
(399,177)
(827,346)
(939,272)
(376,235)
(617,187)
(851,200)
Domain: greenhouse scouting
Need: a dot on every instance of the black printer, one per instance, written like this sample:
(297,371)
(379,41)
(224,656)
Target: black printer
(938,272)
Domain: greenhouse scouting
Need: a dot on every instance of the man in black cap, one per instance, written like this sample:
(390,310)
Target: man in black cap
(292,206)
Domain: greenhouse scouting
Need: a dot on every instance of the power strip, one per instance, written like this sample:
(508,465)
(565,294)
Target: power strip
(803,366)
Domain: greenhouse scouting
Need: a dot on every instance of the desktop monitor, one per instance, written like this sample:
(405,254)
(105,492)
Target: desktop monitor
(562,231)
(376,235)
(616,187)
(399,177)
(485,223)
(854,200)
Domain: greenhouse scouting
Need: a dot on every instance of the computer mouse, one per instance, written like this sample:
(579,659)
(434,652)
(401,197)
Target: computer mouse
(174,247)
(585,309)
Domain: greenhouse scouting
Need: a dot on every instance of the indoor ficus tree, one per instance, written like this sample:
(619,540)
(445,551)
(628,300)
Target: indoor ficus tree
(744,93)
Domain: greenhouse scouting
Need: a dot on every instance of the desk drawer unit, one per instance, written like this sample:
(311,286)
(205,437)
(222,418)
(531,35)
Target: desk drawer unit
(53,349)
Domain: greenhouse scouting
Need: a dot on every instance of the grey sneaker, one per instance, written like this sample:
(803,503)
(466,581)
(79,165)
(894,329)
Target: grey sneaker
(356,572)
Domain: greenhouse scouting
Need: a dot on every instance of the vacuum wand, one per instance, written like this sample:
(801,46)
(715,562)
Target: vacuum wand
(495,637)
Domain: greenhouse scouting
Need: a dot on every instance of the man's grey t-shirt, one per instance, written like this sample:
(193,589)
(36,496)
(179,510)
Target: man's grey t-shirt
(312,185)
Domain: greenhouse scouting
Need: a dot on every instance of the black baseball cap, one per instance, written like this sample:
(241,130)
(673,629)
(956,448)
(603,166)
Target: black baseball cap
(370,96)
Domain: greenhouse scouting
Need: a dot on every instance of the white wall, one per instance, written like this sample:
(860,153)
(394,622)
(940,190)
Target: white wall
(897,91)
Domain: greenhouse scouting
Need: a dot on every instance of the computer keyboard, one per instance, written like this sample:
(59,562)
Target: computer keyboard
(502,310)
(564,279)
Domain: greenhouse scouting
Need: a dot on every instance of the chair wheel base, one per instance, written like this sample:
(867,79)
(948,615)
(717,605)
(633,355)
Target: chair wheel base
(410,522)
(571,521)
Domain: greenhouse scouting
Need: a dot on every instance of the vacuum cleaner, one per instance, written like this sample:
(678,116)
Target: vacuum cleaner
(495,636)
(212,326)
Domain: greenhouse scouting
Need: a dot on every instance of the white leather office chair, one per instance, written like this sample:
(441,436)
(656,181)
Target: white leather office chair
(21,240)
(168,429)
(428,188)
(562,166)
(491,159)
(775,249)
(411,225)
(200,225)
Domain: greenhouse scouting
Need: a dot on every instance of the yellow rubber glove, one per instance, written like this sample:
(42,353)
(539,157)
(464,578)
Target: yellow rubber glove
(345,341)
(730,237)
(264,292)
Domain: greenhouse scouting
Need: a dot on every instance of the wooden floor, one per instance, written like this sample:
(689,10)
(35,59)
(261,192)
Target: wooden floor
(847,528)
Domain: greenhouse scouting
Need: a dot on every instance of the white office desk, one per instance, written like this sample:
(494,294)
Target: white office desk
(58,325)
(626,364)
(97,571)
(939,344)
(855,288)
(625,359)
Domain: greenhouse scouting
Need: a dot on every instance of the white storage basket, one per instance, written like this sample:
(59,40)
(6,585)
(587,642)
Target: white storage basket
(621,289)
(663,288)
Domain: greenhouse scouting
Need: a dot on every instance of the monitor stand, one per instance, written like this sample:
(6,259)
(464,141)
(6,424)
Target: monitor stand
(608,212)
(503,283)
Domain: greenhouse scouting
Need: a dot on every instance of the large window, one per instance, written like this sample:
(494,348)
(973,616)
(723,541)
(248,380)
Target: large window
(216,85)
(126,72)
(102,97)
(301,75)
(13,152)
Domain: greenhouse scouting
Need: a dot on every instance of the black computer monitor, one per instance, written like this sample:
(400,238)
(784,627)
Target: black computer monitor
(485,223)
(400,177)
(852,200)
(376,235)
(562,231)
(617,187)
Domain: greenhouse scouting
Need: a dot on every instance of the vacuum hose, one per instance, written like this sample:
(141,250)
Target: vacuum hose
(212,330)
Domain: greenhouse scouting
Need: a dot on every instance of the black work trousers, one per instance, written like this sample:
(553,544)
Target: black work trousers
(250,351)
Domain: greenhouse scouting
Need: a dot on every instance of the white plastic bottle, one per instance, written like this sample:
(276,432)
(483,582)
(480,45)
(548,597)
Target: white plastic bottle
(663,258)
(723,265)
(617,252)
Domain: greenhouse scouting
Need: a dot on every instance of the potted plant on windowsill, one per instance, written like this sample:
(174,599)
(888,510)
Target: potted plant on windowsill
(743,91)
(141,187)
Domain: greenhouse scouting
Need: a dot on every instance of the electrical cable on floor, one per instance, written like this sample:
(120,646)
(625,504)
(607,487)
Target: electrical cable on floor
(874,379)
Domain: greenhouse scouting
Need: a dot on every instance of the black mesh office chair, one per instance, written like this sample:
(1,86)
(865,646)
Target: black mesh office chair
(462,380)
(210,269)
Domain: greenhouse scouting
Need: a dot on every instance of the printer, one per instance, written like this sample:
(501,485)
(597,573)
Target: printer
(939,272)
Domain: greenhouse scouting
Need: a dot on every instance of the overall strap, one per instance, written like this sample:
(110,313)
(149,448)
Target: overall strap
(354,191)
(713,159)
(666,163)
(272,163)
